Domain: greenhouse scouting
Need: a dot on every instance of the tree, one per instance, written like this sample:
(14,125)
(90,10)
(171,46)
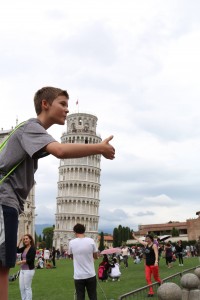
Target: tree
(131,234)
(115,237)
(128,231)
(175,232)
(42,245)
(101,243)
(48,236)
(36,238)
(40,238)
(121,235)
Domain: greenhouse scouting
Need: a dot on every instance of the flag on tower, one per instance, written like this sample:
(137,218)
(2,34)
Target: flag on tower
(77,105)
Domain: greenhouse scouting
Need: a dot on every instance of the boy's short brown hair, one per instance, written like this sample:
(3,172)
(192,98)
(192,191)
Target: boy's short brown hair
(49,94)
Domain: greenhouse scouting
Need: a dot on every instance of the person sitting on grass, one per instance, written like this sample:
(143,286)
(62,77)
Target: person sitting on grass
(137,260)
(104,268)
(40,263)
(115,271)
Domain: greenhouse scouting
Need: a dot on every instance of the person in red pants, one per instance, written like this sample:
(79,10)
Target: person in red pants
(151,261)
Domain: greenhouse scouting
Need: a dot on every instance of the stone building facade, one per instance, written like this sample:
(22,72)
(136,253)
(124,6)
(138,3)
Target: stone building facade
(188,230)
(27,218)
(193,227)
(78,184)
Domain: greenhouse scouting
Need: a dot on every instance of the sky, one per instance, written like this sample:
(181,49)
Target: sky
(136,66)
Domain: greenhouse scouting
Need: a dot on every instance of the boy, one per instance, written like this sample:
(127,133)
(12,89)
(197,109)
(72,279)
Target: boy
(27,144)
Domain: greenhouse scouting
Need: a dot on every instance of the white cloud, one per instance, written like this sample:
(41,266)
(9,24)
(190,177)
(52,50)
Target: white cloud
(45,214)
(145,213)
(161,200)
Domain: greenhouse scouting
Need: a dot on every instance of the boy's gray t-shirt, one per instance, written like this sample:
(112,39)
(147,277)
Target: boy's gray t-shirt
(25,144)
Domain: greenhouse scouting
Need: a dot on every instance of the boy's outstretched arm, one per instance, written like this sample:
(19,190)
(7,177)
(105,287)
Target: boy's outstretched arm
(69,150)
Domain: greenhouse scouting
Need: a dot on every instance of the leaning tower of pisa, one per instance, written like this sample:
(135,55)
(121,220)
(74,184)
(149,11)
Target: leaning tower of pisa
(78,183)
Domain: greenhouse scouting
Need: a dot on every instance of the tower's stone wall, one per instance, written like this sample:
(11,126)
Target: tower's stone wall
(78,184)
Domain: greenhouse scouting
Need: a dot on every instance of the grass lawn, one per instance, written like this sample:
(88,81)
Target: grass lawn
(57,284)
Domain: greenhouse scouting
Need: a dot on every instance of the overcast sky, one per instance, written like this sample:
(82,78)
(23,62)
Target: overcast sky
(136,66)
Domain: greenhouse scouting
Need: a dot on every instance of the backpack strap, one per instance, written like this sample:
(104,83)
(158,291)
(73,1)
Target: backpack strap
(3,144)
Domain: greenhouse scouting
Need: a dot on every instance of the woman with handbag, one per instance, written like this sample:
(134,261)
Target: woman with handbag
(27,269)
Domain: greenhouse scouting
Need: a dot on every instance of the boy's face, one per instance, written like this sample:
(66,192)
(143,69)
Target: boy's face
(58,110)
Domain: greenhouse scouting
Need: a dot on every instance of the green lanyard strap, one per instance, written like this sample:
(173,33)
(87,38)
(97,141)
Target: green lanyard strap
(2,145)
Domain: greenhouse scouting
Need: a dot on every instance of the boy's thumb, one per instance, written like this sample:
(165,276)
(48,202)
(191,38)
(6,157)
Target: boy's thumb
(109,139)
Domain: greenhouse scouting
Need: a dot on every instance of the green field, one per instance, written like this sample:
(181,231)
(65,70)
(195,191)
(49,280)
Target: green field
(57,284)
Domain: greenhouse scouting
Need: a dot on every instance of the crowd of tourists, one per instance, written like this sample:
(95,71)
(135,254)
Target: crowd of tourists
(149,251)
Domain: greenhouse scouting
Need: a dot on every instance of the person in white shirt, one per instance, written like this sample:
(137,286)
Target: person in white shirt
(125,252)
(83,251)
(46,255)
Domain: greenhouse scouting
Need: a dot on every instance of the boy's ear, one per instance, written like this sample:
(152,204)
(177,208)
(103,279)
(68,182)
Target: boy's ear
(44,104)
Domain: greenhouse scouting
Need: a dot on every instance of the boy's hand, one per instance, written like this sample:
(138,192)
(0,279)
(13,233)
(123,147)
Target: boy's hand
(108,151)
